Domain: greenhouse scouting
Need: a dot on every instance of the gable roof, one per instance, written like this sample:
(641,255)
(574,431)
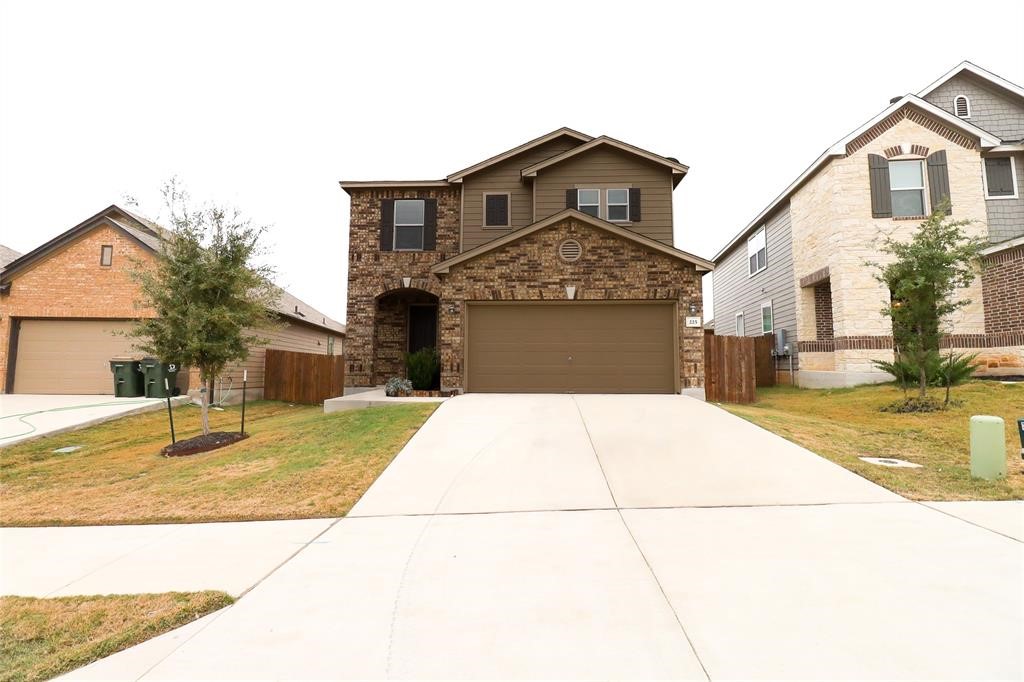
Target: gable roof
(147,234)
(553,135)
(444,266)
(984,74)
(838,150)
(7,254)
(678,169)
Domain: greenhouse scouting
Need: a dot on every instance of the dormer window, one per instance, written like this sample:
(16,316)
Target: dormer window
(962,106)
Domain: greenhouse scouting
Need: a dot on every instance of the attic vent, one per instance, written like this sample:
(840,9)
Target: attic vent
(962,106)
(570,250)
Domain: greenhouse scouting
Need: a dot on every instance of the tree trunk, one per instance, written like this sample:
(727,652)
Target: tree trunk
(923,379)
(948,385)
(205,405)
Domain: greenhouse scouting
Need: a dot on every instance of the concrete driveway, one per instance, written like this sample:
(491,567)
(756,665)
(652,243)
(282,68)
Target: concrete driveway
(616,537)
(25,416)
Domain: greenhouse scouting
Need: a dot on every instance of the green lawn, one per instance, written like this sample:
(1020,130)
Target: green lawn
(844,424)
(43,638)
(298,463)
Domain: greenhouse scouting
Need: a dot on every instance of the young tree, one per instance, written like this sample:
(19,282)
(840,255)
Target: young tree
(209,295)
(922,278)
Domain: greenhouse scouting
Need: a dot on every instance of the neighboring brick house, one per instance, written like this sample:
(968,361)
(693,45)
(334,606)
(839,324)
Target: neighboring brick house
(547,268)
(799,266)
(63,304)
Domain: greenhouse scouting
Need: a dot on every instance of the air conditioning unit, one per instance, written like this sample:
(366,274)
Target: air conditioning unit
(781,344)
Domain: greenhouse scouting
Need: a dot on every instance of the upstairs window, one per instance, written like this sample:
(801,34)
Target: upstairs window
(757,253)
(1000,178)
(496,210)
(618,205)
(409,224)
(962,106)
(589,202)
(106,255)
(906,182)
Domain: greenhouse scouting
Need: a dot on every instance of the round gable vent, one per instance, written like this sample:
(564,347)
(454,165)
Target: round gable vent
(570,250)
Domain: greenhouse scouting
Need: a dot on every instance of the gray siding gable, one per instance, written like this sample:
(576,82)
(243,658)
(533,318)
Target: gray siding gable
(735,291)
(1006,216)
(992,109)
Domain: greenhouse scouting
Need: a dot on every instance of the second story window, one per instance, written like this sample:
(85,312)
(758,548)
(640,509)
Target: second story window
(590,202)
(409,225)
(1000,178)
(496,210)
(757,252)
(618,205)
(106,255)
(906,182)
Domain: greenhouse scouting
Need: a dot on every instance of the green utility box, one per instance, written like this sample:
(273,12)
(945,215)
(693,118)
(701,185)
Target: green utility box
(154,373)
(127,380)
(988,447)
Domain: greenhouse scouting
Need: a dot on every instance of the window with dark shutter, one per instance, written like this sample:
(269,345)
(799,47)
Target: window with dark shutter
(617,201)
(387,224)
(572,199)
(589,201)
(496,210)
(409,222)
(634,205)
(429,224)
(881,197)
(1000,182)
(938,181)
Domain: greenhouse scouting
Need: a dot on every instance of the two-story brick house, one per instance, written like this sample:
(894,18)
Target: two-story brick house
(547,268)
(799,265)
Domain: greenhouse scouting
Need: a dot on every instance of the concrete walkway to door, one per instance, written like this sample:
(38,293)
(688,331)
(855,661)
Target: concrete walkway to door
(617,537)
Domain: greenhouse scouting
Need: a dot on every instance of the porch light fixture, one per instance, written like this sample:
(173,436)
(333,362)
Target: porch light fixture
(406,282)
(693,308)
(570,293)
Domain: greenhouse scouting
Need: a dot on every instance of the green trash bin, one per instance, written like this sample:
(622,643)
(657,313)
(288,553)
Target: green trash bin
(127,380)
(154,373)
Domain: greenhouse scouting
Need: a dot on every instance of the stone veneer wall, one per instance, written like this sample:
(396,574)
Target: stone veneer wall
(530,269)
(72,283)
(832,227)
(372,273)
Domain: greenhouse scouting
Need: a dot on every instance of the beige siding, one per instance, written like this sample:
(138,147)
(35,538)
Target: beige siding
(603,168)
(290,336)
(504,177)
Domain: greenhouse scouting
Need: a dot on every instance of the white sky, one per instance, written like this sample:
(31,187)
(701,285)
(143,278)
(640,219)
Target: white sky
(267,105)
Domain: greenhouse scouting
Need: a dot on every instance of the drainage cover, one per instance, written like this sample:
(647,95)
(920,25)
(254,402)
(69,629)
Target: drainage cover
(70,448)
(890,462)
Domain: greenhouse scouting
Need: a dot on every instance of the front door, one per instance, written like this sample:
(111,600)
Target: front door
(422,327)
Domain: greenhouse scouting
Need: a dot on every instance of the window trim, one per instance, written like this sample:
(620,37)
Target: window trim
(1013,178)
(508,210)
(740,323)
(608,204)
(395,225)
(967,100)
(923,189)
(763,229)
(106,249)
(767,304)
(579,204)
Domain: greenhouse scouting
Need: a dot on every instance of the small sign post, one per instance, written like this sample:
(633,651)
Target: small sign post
(1020,432)
(170,414)
(245,377)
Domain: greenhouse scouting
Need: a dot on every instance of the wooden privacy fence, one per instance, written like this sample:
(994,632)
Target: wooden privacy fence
(302,377)
(734,366)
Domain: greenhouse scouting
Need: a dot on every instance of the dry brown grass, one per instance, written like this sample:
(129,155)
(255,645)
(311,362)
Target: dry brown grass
(297,463)
(844,424)
(43,638)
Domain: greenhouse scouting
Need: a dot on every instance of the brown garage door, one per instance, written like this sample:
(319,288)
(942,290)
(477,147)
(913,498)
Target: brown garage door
(573,347)
(68,356)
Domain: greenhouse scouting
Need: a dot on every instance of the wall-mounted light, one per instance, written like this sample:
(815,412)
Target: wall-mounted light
(570,293)
(406,281)
(693,308)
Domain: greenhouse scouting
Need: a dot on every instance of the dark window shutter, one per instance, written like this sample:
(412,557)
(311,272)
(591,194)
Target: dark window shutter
(881,196)
(634,204)
(938,180)
(572,199)
(999,176)
(387,224)
(429,224)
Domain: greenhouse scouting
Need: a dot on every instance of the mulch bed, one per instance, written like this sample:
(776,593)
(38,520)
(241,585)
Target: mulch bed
(211,441)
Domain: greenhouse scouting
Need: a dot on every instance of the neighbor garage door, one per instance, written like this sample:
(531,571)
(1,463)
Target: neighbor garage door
(573,347)
(68,356)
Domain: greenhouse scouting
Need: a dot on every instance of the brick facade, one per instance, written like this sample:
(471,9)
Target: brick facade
(70,283)
(527,269)
(1002,282)
(823,311)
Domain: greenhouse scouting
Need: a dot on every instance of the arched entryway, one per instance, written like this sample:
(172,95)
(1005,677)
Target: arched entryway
(405,321)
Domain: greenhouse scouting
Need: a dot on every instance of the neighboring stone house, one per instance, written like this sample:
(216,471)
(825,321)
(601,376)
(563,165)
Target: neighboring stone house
(547,268)
(799,266)
(63,304)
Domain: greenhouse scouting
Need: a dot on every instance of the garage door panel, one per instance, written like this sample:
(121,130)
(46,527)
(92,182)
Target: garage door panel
(580,347)
(68,356)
